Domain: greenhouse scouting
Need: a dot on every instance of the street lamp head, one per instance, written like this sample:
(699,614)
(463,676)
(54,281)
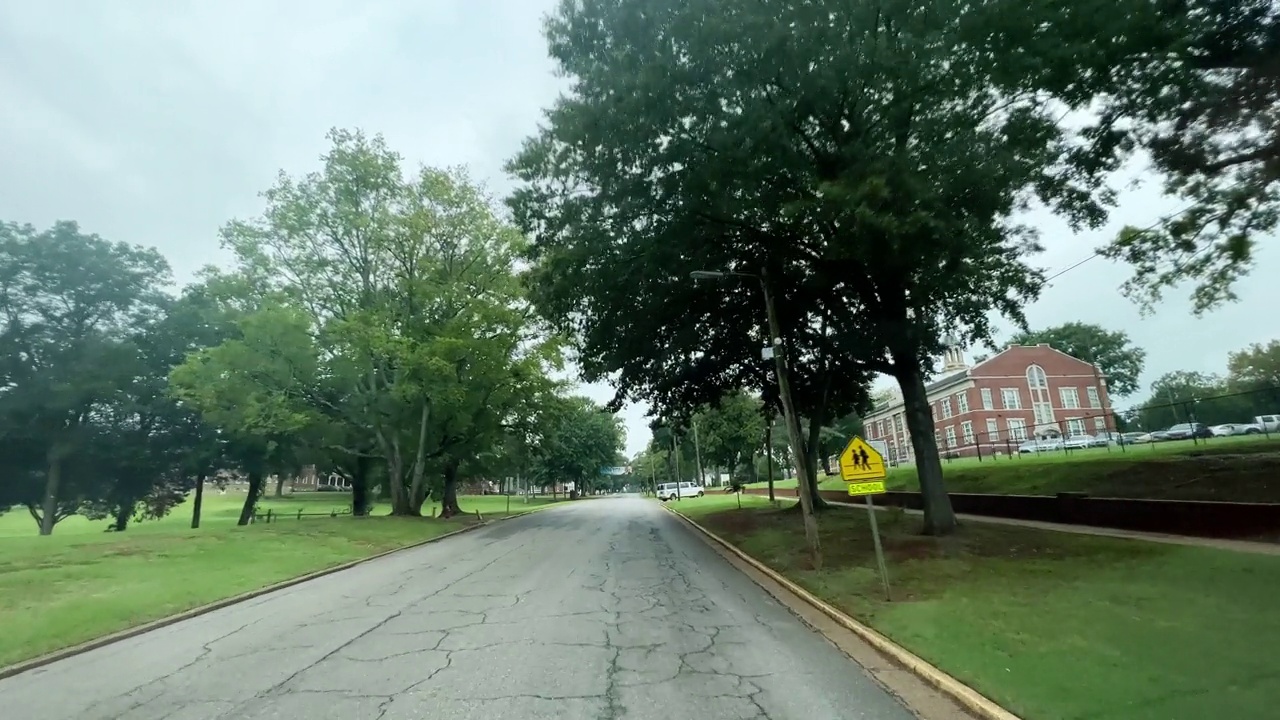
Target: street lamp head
(707,275)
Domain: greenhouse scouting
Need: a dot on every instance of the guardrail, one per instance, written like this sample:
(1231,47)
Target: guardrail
(1196,518)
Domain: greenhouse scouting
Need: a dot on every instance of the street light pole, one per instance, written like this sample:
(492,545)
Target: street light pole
(788,409)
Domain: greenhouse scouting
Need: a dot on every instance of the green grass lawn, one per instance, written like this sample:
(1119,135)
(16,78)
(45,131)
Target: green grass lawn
(1053,626)
(81,583)
(1243,469)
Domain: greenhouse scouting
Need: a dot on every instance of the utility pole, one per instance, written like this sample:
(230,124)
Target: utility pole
(697,452)
(794,434)
(653,475)
(768,454)
(793,427)
(675,448)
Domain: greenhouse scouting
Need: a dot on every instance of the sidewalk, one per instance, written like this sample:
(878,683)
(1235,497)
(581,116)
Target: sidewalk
(1246,546)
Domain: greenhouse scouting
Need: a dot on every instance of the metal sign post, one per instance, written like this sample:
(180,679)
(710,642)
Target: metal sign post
(875,538)
(862,467)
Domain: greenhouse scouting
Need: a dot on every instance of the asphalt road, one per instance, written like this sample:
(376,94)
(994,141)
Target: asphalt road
(596,610)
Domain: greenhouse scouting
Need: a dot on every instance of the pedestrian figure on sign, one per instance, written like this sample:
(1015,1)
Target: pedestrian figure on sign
(863,459)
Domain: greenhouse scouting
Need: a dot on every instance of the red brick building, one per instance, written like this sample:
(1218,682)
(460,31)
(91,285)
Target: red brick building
(1018,394)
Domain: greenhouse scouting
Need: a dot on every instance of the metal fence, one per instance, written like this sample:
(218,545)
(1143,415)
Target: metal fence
(271,515)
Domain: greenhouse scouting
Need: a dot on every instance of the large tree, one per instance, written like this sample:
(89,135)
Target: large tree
(579,441)
(244,386)
(730,432)
(1256,367)
(73,305)
(409,283)
(853,157)
(1119,360)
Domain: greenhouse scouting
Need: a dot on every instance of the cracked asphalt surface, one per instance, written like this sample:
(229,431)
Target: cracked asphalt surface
(595,610)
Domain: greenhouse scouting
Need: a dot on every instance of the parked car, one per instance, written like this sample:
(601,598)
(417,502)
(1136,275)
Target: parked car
(1186,431)
(1229,429)
(669,491)
(1133,438)
(1267,423)
(1078,442)
(1040,445)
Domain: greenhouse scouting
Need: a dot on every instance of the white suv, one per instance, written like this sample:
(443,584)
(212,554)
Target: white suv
(667,491)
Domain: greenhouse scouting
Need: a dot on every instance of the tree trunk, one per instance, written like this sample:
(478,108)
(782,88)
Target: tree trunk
(360,485)
(395,475)
(124,511)
(939,517)
(197,502)
(811,464)
(256,481)
(449,498)
(417,487)
(280,486)
(53,479)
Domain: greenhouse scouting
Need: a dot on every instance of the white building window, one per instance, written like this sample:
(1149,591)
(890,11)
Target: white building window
(1010,398)
(987,404)
(1017,429)
(993,430)
(1094,400)
(966,429)
(1070,398)
(1100,424)
(1075,427)
(1036,377)
(951,436)
(962,401)
(946,408)
(1043,413)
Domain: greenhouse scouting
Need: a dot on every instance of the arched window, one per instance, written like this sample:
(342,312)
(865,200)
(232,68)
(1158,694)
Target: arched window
(1036,377)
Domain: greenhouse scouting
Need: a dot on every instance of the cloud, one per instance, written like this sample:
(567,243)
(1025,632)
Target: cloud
(156,121)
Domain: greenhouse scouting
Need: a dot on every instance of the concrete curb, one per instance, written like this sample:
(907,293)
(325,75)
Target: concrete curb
(965,696)
(84,647)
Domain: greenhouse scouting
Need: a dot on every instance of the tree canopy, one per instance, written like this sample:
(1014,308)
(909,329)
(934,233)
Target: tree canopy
(854,157)
(375,321)
(1189,86)
(1119,360)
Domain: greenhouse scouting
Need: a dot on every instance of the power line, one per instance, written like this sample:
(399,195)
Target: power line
(1098,253)
(1068,269)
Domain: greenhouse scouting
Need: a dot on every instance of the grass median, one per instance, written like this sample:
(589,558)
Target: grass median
(82,583)
(1053,626)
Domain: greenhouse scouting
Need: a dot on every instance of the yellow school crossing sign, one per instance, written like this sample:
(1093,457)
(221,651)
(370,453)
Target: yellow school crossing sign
(862,467)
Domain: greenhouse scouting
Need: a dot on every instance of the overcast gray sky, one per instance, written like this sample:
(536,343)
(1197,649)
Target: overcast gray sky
(156,121)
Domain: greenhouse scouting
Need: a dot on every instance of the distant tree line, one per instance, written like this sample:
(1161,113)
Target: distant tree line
(375,322)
